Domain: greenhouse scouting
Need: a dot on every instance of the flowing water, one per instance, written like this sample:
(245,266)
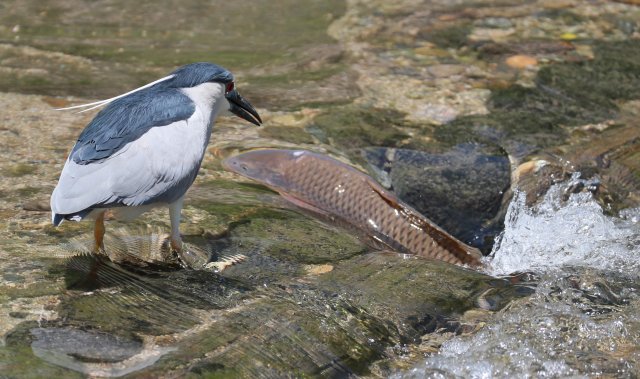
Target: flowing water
(582,320)
(514,124)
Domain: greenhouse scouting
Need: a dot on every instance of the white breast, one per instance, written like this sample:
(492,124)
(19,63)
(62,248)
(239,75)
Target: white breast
(184,143)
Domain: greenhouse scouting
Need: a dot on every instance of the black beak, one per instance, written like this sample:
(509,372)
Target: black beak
(242,108)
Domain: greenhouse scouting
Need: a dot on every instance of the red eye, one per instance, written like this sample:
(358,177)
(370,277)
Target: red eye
(230,87)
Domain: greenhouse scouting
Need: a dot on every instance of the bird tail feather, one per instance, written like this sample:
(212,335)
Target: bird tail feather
(57,219)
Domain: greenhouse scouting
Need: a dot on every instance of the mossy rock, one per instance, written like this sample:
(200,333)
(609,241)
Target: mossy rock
(286,133)
(352,127)
(566,95)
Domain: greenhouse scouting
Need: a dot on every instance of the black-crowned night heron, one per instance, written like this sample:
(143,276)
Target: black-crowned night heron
(145,148)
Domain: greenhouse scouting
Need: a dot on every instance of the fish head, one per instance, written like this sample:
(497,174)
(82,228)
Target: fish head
(268,166)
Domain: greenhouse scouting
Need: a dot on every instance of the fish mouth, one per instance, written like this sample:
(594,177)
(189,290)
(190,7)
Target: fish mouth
(233,165)
(242,108)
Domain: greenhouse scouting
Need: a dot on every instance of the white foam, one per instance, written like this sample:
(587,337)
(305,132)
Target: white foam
(583,317)
(557,234)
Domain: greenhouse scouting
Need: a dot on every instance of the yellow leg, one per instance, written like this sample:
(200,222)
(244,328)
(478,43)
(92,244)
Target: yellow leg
(98,234)
(176,244)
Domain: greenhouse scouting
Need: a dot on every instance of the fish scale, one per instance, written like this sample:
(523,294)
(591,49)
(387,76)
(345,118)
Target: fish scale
(361,203)
(332,188)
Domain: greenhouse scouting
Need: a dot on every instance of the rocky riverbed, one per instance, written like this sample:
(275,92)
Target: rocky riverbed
(512,124)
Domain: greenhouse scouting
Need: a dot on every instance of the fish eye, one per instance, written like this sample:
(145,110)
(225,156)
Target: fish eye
(244,167)
(230,87)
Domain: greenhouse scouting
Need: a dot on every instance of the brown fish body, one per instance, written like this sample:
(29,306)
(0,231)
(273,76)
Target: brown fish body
(332,188)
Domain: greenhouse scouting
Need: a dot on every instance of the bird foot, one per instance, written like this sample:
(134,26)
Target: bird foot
(98,249)
(176,245)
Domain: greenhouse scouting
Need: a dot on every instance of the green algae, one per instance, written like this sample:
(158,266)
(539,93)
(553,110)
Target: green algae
(453,36)
(19,170)
(299,239)
(126,299)
(614,74)
(335,325)
(400,282)
(352,127)
(286,133)
(30,291)
(199,29)
(565,16)
(296,77)
(137,49)
(566,95)
(279,336)
(28,191)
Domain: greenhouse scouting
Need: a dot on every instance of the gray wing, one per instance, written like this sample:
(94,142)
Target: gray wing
(158,167)
(121,160)
(128,118)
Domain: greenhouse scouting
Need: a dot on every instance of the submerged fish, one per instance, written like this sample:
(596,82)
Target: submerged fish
(336,190)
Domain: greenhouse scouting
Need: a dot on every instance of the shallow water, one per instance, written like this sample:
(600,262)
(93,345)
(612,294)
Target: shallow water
(301,297)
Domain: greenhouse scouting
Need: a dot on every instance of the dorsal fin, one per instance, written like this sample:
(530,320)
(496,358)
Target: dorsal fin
(465,253)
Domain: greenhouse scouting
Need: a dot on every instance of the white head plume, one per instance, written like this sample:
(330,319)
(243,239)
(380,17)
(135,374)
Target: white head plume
(100,103)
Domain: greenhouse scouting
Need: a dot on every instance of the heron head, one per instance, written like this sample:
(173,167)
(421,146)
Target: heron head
(194,74)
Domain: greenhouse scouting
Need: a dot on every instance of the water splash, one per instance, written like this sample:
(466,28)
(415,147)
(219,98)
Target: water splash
(557,234)
(582,320)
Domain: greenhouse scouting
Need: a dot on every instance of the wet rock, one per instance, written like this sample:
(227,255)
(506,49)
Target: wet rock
(449,36)
(350,127)
(445,70)
(543,49)
(536,176)
(84,345)
(289,134)
(335,322)
(93,352)
(37,206)
(602,152)
(570,98)
(168,300)
(327,86)
(439,113)
(278,245)
(332,326)
(100,59)
(461,190)
(390,77)
(495,22)
(491,34)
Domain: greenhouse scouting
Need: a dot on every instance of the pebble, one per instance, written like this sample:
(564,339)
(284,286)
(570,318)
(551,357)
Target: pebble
(491,34)
(521,62)
(568,36)
(495,22)
(439,113)
(318,269)
(445,70)
(36,206)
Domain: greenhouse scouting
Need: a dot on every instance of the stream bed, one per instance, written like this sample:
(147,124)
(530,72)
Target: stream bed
(511,124)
